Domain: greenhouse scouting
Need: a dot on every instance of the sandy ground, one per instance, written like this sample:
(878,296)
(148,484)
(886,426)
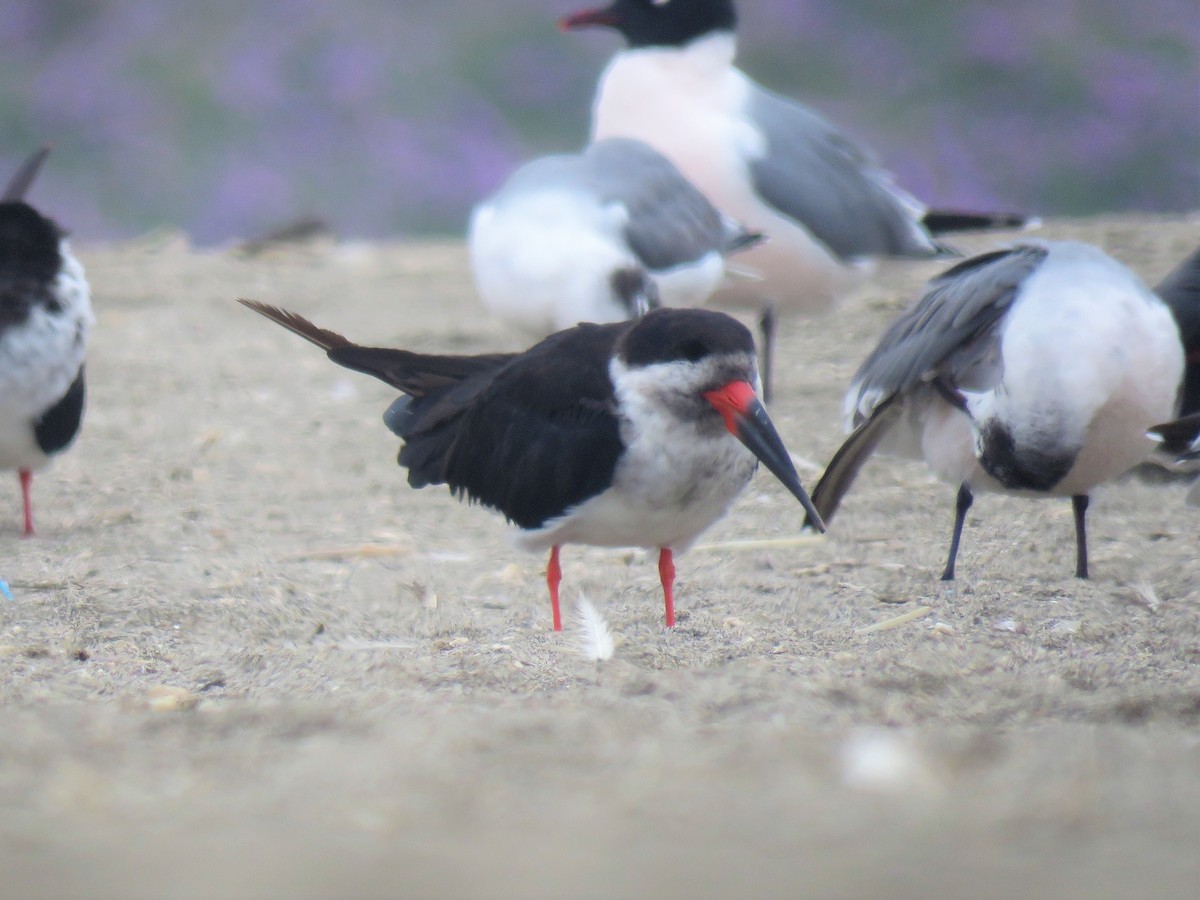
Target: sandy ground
(243,658)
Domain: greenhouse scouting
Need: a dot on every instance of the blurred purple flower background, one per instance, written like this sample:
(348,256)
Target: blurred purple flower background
(393,117)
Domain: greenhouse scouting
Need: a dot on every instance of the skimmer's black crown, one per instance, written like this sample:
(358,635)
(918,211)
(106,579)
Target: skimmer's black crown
(28,243)
(666,23)
(683,335)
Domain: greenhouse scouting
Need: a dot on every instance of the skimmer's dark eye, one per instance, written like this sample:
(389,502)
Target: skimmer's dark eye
(693,350)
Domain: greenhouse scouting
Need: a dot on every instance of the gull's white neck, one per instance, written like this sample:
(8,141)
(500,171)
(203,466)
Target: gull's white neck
(707,57)
(660,95)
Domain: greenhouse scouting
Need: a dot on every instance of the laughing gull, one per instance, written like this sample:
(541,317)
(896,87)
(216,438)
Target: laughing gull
(823,201)
(611,435)
(600,236)
(1035,371)
(45,317)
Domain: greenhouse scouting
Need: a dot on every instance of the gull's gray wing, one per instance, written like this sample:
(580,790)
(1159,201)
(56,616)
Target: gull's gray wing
(839,475)
(812,173)
(950,340)
(671,222)
(950,333)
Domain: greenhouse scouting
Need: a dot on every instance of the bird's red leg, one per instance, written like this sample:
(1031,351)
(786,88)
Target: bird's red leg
(27,499)
(666,572)
(553,577)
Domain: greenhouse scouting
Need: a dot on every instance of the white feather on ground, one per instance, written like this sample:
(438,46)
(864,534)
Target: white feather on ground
(884,761)
(595,639)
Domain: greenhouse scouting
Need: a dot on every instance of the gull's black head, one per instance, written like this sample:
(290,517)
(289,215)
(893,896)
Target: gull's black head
(658,23)
(635,291)
(28,243)
(1018,467)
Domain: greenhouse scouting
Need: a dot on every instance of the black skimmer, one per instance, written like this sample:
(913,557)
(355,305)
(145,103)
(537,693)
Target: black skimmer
(827,207)
(1181,292)
(45,317)
(599,236)
(1035,370)
(612,435)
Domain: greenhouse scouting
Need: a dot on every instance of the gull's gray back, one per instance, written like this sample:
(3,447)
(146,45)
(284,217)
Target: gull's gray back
(951,331)
(817,176)
(546,173)
(670,221)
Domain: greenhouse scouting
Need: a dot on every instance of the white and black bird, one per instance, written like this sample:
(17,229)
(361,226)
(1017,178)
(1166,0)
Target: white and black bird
(1035,371)
(613,435)
(599,236)
(825,204)
(45,318)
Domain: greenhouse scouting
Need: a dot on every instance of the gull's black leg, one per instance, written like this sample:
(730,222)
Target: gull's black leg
(1079,503)
(767,321)
(961,505)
